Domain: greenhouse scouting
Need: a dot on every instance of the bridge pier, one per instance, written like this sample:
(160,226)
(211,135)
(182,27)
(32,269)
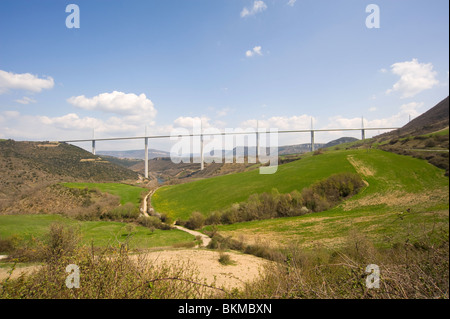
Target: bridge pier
(146,157)
(202,156)
(93,147)
(363,131)
(257,142)
(313,148)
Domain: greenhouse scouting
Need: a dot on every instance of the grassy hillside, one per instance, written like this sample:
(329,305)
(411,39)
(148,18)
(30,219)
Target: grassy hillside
(126,193)
(205,196)
(28,166)
(385,172)
(406,198)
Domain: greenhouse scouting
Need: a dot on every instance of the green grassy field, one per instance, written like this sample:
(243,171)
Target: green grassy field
(393,172)
(101,233)
(205,196)
(127,193)
(406,198)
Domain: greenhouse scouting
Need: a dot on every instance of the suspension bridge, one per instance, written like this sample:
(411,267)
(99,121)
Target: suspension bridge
(146,138)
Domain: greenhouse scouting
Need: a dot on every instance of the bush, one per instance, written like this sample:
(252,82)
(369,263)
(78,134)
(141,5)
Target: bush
(409,270)
(108,274)
(328,192)
(318,197)
(318,152)
(430,143)
(126,211)
(225,259)
(153,222)
(61,241)
(196,221)
(213,219)
(6,245)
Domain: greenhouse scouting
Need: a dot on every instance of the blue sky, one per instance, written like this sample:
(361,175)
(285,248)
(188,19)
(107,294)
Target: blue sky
(163,64)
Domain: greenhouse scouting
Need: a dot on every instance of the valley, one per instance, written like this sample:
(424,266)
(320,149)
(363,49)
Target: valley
(390,200)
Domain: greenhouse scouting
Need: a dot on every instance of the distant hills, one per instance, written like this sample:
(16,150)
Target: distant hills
(339,141)
(135,154)
(282,150)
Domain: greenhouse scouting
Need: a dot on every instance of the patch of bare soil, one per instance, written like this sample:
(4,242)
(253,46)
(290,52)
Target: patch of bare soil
(397,198)
(4,272)
(245,268)
(361,167)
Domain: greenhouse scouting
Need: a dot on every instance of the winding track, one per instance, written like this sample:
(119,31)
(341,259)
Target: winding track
(205,239)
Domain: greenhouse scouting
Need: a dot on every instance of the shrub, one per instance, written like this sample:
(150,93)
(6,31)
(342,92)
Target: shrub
(225,259)
(61,241)
(328,192)
(153,222)
(213,219)
(196,221)
(126,211)
(318,152)
(6,245)
(430,143)
(112,274)
(318,197)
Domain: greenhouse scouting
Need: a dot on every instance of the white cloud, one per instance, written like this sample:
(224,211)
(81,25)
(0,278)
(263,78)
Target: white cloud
(117,103)
(74,122)
(223,112)
(372,109)
(189,122)
(255,51)
(282,122)
(24,81)
(291,2)
(397,120)
(25,100)
(129,115)
(415,77)
(258,6)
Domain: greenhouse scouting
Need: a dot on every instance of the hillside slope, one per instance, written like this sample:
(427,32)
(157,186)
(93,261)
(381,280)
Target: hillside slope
(435,119)
(426,137)
(205,196)
(406,198)
(28,166)
(215,193)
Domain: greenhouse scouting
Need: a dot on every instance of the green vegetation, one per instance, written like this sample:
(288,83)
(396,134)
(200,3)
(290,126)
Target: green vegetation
(110,274)
(318,225)
(27,229)
(225,259)
(390,172)
(127,193)
(405,197)
(408,270)
(320,196)
(208,195)
(413,269)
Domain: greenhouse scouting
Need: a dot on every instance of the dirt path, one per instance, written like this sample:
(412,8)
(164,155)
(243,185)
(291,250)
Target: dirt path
(361,167)
(4,272)
(143,209)
(205,239)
